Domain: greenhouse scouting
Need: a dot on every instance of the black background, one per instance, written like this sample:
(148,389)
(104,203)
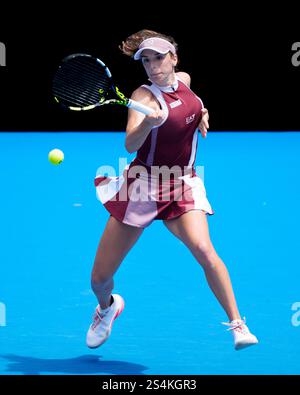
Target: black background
(239,58)
(93,384)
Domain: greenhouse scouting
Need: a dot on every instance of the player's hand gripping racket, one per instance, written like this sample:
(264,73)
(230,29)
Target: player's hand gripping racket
(83,82)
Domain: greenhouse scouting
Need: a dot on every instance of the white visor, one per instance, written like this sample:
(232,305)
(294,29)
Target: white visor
(157,44)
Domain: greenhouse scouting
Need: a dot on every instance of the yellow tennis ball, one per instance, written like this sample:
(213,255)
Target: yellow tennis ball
(56,156)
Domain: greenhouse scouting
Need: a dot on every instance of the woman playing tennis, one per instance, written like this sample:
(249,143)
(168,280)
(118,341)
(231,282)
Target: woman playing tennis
(159,184)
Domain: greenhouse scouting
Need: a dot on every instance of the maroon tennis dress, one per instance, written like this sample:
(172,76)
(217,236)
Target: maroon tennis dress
(161,182)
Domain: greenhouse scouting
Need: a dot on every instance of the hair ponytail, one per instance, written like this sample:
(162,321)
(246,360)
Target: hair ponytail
(131,44)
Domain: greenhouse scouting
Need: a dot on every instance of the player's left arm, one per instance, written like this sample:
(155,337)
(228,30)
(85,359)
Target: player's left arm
(203,124)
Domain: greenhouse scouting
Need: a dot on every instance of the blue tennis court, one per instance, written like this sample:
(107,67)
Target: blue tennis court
(51,223)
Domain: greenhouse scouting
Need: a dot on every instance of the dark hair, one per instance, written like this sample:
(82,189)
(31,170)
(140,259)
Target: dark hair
(131,44)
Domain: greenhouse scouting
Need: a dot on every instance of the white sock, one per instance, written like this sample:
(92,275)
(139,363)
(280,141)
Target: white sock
(104,311)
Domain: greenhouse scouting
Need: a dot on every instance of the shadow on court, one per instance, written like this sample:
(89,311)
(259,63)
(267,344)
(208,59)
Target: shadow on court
(85,364)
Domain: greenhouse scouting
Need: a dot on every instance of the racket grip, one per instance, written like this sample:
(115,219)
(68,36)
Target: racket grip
(139,107)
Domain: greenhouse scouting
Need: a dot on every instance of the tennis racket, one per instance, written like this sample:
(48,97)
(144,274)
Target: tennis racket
(83,82)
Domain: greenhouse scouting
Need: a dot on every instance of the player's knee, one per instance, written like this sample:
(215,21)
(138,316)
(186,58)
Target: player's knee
(100,280)
(202,248)
(205,253)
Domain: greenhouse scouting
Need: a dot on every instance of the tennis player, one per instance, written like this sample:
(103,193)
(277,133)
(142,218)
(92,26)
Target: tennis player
(166,139)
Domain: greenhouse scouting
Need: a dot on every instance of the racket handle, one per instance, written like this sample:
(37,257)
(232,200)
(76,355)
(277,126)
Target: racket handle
(139,107)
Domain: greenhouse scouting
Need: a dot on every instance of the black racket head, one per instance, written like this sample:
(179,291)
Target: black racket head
(81,82)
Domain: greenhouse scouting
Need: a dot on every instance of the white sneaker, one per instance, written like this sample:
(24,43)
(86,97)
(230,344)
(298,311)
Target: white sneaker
(101,326)
(242,336)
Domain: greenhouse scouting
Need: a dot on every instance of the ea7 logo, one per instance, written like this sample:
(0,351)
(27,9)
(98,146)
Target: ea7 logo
(2,55)
(189,119)
(295,59)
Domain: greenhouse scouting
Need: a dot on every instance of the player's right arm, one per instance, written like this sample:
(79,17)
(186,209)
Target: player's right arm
(139,125)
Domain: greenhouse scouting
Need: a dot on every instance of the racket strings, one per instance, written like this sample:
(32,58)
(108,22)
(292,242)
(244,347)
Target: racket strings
(77,95)
(82,71)
(81,91)
(79,82)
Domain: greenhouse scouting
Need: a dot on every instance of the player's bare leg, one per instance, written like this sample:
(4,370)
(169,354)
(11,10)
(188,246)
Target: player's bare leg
(192,229)
(116,241)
